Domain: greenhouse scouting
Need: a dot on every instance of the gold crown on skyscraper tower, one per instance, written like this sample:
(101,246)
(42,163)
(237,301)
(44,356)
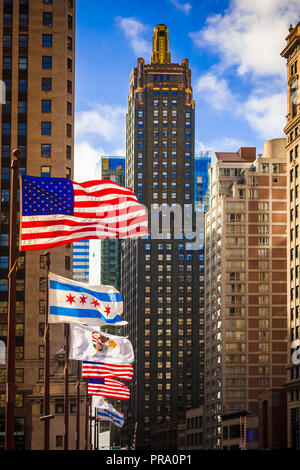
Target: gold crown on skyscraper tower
(160,45)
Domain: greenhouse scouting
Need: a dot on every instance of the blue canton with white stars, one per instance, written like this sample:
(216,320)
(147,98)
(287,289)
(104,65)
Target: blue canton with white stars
(47,196)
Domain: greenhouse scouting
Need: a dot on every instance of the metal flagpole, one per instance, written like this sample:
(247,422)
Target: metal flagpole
(11,334)
(95,442)
(91,419)
(66,397)
(86,447)
(78,407)
(46,416)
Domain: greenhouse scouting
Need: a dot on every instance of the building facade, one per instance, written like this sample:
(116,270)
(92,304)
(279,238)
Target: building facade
(245,261)
(292,130)
(37,55)
(112,168)
(81,260)
(160,274)
(202,165)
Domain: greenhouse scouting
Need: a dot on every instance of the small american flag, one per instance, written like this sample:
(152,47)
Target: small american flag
(104,370)
(108,388)
(56,211)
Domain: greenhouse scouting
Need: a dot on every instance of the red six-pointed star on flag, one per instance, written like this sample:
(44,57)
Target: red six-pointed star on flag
(95,303)
(83,299)
(107,310)
(70,299)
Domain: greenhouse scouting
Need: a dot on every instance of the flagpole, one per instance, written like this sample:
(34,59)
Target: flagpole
(86,447)
(47,361)
(78,407)
(11,334)
(94,429)
(66,397)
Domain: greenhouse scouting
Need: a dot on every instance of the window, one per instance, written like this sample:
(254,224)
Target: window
(47,40)
(46,128)
(69,130)
(47,62)
(22,63)
(46,84)
(69,152)
(47,19)
(22,128)
(7,19)
(68,173)
(67,263)
(70,44)
(22,85)
(69,86)
(46,150)
(46,106)
(69,64)
(6,62)
(22,107)
(23,19)
(23,41)
(69,108)
(47,2)
(7,40)
(70,21)
(45,171)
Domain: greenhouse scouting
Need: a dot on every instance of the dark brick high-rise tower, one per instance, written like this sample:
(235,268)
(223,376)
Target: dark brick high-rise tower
(161,279)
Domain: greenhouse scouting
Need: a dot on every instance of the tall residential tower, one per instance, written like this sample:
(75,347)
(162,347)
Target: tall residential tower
(160,274)
(292,131)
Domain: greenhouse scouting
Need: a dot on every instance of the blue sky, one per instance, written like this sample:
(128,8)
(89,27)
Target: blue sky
(238,76)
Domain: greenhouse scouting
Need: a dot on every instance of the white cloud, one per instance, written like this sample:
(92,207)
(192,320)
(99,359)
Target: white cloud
(250,35)
(85,160)
(223,144)
(184,7)
(134,31)
(100,130)
(103,121)
(265,112)
(215,91)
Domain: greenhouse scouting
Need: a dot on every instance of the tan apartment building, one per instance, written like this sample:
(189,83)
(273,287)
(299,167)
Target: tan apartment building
(37,43)
(245,263)
(292,130)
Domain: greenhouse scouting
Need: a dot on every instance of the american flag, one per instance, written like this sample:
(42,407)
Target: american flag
(108,388)
(56,211)
(104,370)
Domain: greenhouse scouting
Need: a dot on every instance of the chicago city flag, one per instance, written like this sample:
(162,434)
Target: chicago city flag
(75,302)
(106,412)
(108,388)
(56,211)
(88,343)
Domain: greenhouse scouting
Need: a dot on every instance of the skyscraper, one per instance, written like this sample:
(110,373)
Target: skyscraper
(292,130)
(160,274)
(81,260)
(37,65)
(202,165)
(245,283)
(112,168)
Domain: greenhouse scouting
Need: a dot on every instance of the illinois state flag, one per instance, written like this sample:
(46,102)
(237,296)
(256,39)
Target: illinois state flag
(56,211)
(88,343)
(75,302)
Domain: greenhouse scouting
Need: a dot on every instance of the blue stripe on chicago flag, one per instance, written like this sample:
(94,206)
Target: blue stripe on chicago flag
(103,296)
(80,313)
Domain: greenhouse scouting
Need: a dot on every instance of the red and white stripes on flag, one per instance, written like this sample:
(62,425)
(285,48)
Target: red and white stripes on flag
(104,370)
(56,211)
(108,388)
